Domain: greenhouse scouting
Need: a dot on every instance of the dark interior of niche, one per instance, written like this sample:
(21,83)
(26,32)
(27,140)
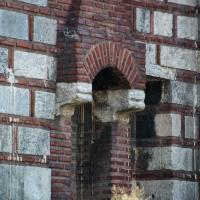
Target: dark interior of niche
(145,124)
(153,93)
(110,79)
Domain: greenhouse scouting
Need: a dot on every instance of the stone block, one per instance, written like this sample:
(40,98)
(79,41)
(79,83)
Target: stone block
(44,105)
(24,182)
(184,2)
(168,125)
(177,158)
(36,2)
(143,20)
(3,60)
(191,127)
(34,65)
(187,27)
(157,158)
(33,141)
(45,30)
(170,189)
(14,100)
(13,24)
(163,24)
(181,93)
(180,58)
(5,138)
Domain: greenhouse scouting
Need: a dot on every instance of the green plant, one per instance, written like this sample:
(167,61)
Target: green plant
(121,193)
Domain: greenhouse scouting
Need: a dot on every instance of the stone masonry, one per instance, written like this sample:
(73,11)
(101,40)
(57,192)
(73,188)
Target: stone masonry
(99,93)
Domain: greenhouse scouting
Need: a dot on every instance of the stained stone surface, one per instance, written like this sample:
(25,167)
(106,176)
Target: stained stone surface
(5,138)
(180,58)
(33,141)
(157,158)
(45,30)
(175,92)
(163,24)
(185,2)
(191,127)
(34,65)
(187,27)
(143,20)
(14,100)
(168,125)
(44,105)
(36,2)
(24,182)
(18,24)
(170,189)
(3,60)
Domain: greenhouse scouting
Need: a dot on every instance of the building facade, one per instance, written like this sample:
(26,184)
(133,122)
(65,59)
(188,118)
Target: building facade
(96,93)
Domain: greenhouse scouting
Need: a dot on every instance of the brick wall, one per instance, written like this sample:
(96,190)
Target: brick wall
(45,42)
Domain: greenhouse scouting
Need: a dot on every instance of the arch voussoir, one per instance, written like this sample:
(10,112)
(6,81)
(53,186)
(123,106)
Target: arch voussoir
(111,54)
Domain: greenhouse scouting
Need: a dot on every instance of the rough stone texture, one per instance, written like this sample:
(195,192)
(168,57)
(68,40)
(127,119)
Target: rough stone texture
(152,69)
(45,30)
(168,125)
(187,27)
(36,2)
(185,2)
(33,141)
(33,65)
(24,182)
(157,158)
(44,105)
(5,138)
(180,58)
(14,100)
(163,24)
(72,93)
(3,60)
(108,104)
(143,20)
(18,25)
(175,92)
(191,127)
(170,189)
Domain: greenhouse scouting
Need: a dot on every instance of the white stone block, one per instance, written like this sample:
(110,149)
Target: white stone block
(163,24)
(191,127)
(143,20)
(36,2)
(34,65)
(185,2)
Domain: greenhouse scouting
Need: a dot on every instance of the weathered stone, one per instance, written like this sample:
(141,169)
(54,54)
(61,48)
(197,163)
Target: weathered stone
(143,20)
(5,138)
(24,182)
(170,189)
(170,155)
(13,24)
(45,30)
(151,53)
(163,24)
(185,2)
(187,27)
(109,104)
(14,100)
(34,65)
(156,158)
(175,92)
(3,60)
(36,2)
(180,58)
(33,141)
(72,94)
(191,127)
(168,125)
(44,105)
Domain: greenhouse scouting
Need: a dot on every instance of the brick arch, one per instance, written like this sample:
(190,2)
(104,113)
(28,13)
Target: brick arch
(111,54)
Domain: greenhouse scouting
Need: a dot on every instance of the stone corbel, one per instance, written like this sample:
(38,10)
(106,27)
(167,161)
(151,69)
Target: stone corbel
(116,105)
(68,95)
